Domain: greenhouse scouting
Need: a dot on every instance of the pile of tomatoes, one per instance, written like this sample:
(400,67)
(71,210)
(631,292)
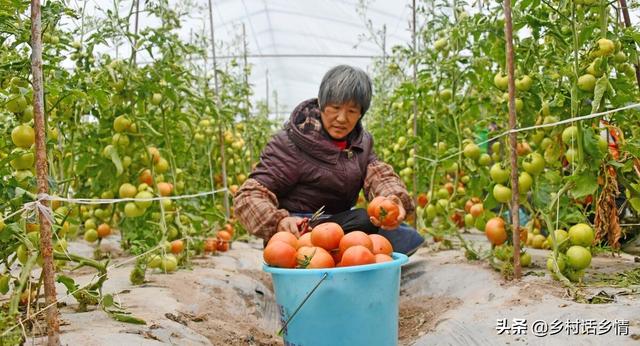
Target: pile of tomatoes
(326,246)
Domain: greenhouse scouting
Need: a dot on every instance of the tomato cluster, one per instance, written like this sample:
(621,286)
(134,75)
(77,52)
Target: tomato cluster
(326,246)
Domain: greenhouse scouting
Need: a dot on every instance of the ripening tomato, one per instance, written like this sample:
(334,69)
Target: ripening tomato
(104,230)
(280,254)
(224,236)
(165,189)
(355,238)
(327,235)
(229,228)
(314,257)
(210,245)
(476,209)
(357,255)
(177,246)
(495,231)
(422,200)
(381,245)
(222,245)
(145,177)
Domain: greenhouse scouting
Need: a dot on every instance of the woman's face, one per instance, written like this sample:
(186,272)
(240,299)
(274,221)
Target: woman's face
(339,120)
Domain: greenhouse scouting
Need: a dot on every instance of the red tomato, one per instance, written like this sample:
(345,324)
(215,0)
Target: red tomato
(357,255)
(355,238)
(327,235)
(280,254)
(312,257)
(380,245)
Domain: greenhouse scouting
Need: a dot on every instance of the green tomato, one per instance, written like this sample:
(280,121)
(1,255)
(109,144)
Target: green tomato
(156,99)
(4,283)
(484,160)
(446,94)
(605,47)
(154,261)
(471,151)
(23,136)
(561,263)
(441,44)
(581,234)
(502,193)
(16,103)
(561,238)
(442,193)
(578,257)
(525,181)
(25,159)
(431,212)
(524,83)
(570,135)
(620,57)
(571,154)
(469,220)
(499,174)
(91,235)
(587,82)
(533,163)
(144,195)
(501,81)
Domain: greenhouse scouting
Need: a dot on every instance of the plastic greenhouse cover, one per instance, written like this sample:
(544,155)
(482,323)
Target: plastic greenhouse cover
(326,32)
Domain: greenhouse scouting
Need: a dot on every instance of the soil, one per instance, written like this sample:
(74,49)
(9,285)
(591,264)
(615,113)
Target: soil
(418,316)
(227,299)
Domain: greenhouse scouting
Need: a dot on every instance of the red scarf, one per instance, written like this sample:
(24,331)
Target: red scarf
(340,144)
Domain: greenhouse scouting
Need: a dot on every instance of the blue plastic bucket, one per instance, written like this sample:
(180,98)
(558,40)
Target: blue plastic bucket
(352,306)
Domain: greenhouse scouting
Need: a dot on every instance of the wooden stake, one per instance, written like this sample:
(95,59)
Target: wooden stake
(46,249)
(627,22)
(415,101)
(513,139)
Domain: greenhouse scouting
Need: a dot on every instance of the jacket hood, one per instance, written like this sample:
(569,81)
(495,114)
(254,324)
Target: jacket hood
(306,131)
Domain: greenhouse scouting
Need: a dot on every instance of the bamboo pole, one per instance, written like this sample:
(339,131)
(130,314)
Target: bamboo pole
(247,103)
(266,80)
(513,138)
(219,106)
(46,249)
(415,100)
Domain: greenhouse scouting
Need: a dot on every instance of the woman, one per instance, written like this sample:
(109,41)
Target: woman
(324,157)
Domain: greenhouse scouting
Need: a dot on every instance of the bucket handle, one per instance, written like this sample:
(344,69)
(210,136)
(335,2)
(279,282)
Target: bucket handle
(324,276)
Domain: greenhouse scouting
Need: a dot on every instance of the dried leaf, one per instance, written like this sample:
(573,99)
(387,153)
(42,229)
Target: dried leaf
(606,222)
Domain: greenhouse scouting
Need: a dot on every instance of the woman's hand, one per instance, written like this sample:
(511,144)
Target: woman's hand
(290,224)
(401,215)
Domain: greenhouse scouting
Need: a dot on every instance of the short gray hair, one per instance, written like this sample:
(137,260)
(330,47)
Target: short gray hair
(344,83)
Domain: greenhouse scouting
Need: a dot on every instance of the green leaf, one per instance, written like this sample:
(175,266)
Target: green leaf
(146,123)
(68,282)
(127,318)
(115,158)
(591,148)
(586,183)
(107,300)
(601,87)
(635,204)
